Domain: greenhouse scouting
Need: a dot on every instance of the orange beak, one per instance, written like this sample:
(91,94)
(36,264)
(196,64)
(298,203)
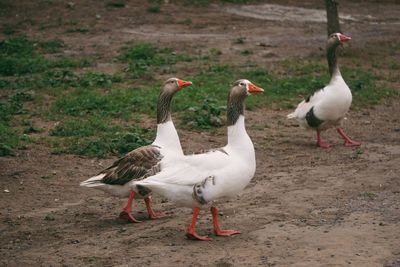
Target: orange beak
(254,89)
(182,83)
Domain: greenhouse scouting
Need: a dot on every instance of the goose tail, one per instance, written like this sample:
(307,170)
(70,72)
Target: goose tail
(93,181)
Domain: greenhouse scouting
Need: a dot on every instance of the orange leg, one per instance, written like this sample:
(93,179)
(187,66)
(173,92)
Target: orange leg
(152,214)
(321,143)
(347,140)
(126,212)
(217,229)
(191,231)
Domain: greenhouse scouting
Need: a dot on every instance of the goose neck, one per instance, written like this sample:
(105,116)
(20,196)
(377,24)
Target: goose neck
(163,107)
(332,60)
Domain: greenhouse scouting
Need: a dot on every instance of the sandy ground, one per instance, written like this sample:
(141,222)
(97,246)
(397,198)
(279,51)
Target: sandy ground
(305,206)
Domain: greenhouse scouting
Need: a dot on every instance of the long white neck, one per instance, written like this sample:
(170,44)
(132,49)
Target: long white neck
(167,137)
(239,140)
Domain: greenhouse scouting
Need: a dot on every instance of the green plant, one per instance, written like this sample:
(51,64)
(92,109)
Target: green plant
(116,3)
(205,116)
(154,8)
(143,57)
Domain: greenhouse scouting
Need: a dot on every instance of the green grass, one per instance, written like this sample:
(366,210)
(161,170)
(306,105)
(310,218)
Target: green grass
(98,138)
(10,139)
(154,8)
(144,58)
(98,114)
(116,4)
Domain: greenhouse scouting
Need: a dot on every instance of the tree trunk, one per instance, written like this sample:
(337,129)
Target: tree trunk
(332,16)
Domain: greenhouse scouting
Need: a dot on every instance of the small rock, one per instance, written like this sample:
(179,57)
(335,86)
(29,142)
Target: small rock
(6,191)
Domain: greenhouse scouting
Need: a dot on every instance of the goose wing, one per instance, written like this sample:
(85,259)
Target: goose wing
(137,164)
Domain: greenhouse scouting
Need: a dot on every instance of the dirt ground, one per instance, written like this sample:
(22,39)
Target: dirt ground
(305,206)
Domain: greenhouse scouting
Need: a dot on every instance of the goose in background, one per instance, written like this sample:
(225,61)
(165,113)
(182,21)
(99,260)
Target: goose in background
(196,181)
(327,107)
(144,161)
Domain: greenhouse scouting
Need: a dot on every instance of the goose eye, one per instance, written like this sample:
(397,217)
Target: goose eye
(241,84)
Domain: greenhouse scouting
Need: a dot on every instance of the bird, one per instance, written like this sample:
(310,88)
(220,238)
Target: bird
(143,161)
(197,180)
(327,107)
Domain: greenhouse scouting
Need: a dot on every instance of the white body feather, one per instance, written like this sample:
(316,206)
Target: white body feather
(330,104)
(231,171)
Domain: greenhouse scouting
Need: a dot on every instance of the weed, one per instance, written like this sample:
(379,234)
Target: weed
(51,46)
(32,129)
(215,52)
(368,195)
(89,259)
(205,116)
(103,144)
(8,29)
(77,29)
(239,40)
(49,217)
(116,4)
(154,8)
(246,52)
(187,21)
(142,57)
(91,79)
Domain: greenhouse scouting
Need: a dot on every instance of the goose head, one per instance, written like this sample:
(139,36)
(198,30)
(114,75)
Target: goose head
(237,95)
(337,38)
(173,85)
(244,88)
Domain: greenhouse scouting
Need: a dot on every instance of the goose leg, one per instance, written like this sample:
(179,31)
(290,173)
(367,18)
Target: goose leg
(217,229)
(126,212)
(152,214)
(321,143)
(347,140)
(191,231)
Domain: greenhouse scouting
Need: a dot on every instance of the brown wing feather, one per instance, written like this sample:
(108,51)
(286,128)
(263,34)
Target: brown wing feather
(137,164)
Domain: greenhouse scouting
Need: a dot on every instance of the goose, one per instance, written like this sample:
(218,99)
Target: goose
(196,181)
(143,161)
(327,107)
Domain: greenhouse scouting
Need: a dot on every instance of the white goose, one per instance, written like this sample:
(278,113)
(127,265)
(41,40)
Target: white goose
(197,180)
(144,161)
(328,106)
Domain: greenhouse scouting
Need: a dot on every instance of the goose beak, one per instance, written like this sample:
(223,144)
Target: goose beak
(254,89)
(182,83)
(344,38)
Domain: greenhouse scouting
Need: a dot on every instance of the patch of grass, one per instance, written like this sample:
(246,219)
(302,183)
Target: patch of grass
(205,116)
(154,8)
(116,103)
(368,195)
(80,127)
(9,138)
(81,29)
(240,40)
(65,62)
(246,52)
(8,29)
(49,217)
(18,56)
(52,46)
(187,21)
(103,143)
(116,4)
(143,57)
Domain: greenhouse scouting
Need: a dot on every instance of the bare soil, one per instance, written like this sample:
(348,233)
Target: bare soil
(306,206)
